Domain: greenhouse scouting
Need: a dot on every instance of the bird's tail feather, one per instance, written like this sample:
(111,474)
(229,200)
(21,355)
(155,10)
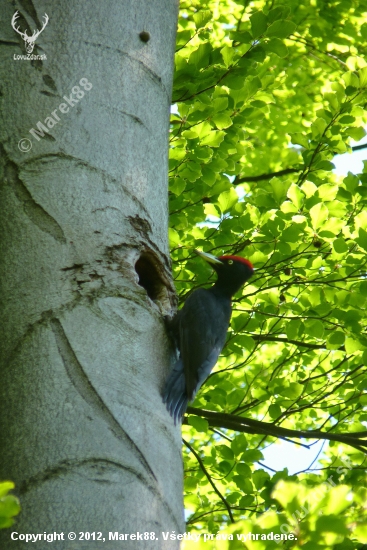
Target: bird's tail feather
(180,409)
(174,394)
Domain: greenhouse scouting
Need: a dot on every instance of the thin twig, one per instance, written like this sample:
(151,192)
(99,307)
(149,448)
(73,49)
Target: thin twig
(210,479)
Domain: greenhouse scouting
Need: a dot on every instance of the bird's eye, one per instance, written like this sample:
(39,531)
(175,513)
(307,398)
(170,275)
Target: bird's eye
(230,262)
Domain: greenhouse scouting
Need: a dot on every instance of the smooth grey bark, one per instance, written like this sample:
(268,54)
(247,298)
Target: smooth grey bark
(85,272)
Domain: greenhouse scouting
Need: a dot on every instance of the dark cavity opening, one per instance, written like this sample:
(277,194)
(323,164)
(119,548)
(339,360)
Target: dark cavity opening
(149,277)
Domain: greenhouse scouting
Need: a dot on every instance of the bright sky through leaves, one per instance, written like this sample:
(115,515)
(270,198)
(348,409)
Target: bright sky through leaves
(283,454)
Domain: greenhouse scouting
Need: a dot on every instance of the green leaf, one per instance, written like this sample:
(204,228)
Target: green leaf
(239,444)
(208,175)
(280,12)
(245,37)
(363,76)
(225,452)
(227,199)
(352,345)
(362,239)
(200,56)
(190,134)
(360,531)
(252,455)
(295,195)
(222,120)
(200,424)
(250,88)
(201,18)
(340,246)
(281,29)
(284,492)
(258,23)
(356,133)
(9,506)
(336,339)
(346,119)
(333,101)
(328,191)
(300,139)
(260,393)
(174,238)
(331,524)
(183,37)
(277,46)
(318,127)
(351,79)
(325,165)
(5,487)
(191,482)
(245,341)
(319,214)
(351,181)
(293,391)
(243,469)
(279,188)
(177,186)
(337,500)
(259,478)
(314,328)
(292,329)
(214,139)
(227,54)
(211,210)
(244,484)
(220,104)
(275,411)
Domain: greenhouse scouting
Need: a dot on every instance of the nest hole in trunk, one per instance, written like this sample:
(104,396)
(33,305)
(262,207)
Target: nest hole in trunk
(150,278)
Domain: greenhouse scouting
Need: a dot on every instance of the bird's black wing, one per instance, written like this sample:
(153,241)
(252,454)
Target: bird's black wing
(203,325)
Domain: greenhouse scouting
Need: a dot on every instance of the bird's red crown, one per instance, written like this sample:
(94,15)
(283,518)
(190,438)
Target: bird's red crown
(237,259)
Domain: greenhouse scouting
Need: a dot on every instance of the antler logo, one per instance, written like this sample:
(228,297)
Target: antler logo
(29,40)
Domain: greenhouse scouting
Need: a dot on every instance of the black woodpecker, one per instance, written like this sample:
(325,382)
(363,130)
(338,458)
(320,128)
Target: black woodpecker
(199,330)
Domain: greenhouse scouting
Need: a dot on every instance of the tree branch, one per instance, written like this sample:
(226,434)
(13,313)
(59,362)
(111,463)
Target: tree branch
(262,177)
(248,425)
(359,147)
(269,338)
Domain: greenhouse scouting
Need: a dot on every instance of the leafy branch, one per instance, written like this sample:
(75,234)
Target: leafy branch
(198,458)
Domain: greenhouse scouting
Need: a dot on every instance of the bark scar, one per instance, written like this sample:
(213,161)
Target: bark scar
(96,469)
(87,391)
(35,212)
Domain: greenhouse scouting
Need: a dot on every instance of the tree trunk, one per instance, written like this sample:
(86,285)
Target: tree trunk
(85,272)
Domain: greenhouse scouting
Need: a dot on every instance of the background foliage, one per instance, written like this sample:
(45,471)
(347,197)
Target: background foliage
(265,95)
(9,504)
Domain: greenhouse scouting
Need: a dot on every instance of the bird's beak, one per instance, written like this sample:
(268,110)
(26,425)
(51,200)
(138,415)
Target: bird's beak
(208,257)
